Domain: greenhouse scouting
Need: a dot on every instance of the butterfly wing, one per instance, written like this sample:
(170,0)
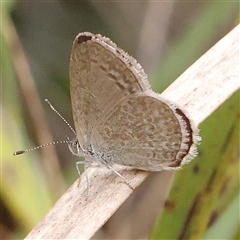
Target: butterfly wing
(146,132)
(100,75)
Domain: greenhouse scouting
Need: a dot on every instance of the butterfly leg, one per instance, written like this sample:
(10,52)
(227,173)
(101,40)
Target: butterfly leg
(78,170)
(86,166)
(122,177)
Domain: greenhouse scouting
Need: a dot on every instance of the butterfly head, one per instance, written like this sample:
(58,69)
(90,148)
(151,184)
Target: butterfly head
(74,147)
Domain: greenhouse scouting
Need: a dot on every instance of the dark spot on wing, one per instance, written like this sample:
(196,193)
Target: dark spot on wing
(84,38)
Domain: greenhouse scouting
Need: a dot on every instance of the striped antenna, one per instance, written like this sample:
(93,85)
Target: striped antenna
(51,143)
(51,106)
(34,148)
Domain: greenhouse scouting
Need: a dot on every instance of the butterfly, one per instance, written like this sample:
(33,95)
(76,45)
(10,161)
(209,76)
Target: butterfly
(118,118)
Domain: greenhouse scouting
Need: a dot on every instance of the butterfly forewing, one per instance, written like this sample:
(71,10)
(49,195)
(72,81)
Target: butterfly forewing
(100,75)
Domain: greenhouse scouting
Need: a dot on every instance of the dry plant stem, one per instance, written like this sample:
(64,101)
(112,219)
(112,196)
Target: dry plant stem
(200,90)
(36,113)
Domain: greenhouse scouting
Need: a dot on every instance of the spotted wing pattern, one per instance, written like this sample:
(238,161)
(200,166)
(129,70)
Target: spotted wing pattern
(100,75)
(146,132)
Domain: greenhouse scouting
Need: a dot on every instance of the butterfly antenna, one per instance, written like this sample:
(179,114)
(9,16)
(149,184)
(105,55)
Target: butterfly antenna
(51,143)
(43,145)
(51,106)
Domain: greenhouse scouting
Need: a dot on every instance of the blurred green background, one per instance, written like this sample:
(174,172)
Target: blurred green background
(36,40)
